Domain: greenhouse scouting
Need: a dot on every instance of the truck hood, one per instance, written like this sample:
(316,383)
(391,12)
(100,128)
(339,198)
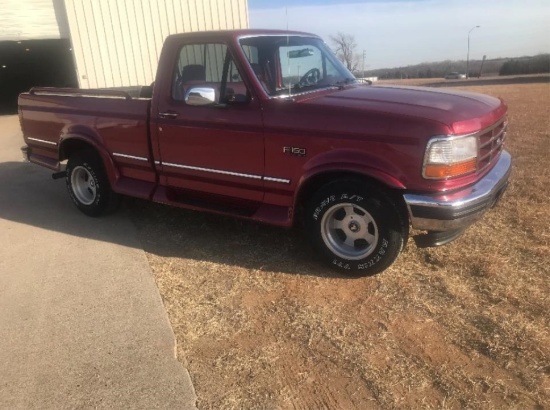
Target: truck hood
(462,112)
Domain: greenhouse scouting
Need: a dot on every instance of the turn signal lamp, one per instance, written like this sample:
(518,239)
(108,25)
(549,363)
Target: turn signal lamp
(448,157)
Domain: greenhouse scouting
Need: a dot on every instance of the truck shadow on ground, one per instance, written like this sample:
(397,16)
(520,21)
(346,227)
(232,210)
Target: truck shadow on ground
(29,196)
(169,231)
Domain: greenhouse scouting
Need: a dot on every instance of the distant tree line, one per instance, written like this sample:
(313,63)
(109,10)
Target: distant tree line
(437,69)
(500,66)
(526,65)
(344,46)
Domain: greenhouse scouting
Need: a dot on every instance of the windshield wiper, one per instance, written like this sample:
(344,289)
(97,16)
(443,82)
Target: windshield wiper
(302,86)
(343,82)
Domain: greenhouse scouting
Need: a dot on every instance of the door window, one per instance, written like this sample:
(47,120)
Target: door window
(208,66)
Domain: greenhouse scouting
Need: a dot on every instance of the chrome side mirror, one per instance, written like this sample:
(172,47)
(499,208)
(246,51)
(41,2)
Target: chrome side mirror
(200,96)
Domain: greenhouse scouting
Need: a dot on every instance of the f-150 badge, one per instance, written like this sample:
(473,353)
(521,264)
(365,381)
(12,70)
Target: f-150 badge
(296,151)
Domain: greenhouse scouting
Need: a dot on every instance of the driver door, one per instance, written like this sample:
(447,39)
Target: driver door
(213,151)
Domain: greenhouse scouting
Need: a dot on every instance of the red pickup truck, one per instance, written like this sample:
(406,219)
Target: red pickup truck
(269,125)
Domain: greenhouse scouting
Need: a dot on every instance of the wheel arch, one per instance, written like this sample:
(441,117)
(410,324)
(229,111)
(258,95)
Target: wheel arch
(77,142)
(309,184)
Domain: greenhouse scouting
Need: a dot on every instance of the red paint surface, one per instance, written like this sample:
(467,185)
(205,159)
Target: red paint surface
(375,131)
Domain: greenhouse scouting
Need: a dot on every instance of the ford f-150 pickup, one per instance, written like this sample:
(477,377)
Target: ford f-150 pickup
(269,125)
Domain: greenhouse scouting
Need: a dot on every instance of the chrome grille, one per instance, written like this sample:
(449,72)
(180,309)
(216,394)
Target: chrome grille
(491,143)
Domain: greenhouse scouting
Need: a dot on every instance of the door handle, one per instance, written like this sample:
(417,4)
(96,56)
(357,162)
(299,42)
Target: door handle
(168,115)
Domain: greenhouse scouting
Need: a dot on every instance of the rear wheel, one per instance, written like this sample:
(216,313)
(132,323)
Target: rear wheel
(356,227)
(88,184)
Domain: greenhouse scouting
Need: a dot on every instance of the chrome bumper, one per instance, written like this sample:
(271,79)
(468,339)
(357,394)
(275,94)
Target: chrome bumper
(459,209)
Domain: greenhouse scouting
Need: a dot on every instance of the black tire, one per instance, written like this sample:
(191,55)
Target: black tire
(357,228)
(88,184)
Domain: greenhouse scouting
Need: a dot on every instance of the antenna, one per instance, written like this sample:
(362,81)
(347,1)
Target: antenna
(286,16)
(288,58)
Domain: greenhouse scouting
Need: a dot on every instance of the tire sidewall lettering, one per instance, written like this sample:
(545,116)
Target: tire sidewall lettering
(381,251)
(343,264)
(97,182)
(351,197)
(376,258)
(332,198)
(381,208)
(324,203)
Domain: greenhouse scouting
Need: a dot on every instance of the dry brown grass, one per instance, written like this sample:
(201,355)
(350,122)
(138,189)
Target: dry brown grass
(262,325)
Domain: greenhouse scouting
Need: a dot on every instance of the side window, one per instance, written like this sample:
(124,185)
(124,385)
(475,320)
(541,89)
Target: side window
(208,66)
(233,74)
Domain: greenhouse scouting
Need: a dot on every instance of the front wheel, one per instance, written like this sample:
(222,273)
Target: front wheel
(88,184)
(357,228)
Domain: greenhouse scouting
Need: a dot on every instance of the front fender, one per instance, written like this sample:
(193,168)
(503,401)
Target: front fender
(361,162)
(348,162)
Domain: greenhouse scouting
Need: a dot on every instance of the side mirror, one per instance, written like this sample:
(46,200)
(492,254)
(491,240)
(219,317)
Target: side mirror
(200,96)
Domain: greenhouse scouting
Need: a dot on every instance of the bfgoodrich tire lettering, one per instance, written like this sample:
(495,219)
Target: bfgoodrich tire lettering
(88,184)
(356,227)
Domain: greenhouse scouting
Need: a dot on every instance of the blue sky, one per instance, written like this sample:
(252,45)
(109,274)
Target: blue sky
(402,32)
(268,4)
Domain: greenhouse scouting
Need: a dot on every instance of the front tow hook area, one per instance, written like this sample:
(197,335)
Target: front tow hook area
(434,238)
(59,175)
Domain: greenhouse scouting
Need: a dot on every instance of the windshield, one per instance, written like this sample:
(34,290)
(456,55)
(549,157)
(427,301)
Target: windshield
(293,64)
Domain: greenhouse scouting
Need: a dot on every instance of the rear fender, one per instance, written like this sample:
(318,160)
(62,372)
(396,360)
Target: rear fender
(86,137)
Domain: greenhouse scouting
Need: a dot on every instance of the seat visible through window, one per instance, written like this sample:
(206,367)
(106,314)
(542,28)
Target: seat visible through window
(193,72)
(262,77)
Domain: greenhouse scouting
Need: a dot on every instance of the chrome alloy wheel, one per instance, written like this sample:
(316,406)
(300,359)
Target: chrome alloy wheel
(84,185)
(349,231)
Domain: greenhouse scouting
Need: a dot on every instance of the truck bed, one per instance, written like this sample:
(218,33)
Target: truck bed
(112,121)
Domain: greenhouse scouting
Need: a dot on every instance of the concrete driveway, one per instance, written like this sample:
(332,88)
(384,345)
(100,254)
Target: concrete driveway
(82,323)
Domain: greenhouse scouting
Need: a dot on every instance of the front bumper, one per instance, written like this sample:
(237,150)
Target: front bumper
(457,210)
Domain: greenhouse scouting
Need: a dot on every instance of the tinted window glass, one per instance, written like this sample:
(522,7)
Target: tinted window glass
(293,64)
(202,65)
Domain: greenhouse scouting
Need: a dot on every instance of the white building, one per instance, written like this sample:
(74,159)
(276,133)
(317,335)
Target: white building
(115,43)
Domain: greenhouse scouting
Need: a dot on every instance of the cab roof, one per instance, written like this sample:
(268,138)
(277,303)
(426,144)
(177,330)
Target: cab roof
(234,34)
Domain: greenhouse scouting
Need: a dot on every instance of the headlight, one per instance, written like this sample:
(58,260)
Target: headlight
(448,157)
